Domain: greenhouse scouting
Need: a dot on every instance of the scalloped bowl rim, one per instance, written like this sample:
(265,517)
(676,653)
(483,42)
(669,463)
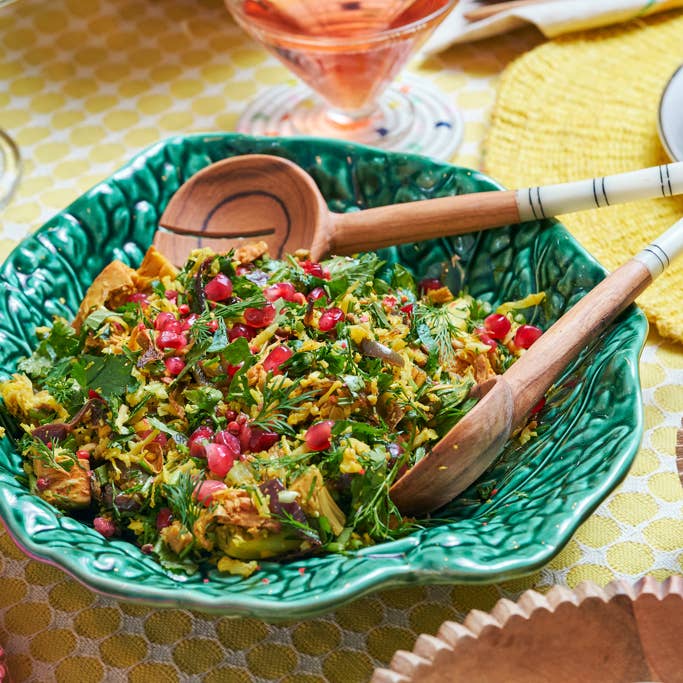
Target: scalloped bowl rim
(274,609)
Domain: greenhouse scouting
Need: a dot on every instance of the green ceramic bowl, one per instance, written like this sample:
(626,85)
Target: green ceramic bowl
(590,428)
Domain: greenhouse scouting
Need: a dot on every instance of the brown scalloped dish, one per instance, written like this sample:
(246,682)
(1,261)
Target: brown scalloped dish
(620,634)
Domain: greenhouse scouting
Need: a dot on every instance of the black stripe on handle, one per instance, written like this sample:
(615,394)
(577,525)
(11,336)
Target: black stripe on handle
(661,181)
(659,254)
(531,204)
(540,203)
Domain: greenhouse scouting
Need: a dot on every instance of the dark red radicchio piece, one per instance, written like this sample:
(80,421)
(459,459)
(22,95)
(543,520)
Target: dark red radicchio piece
(284,511)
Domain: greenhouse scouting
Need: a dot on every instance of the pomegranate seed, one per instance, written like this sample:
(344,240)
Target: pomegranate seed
(176,327)
(212,325)
(171,295)
(280,290)
(312,268)
(161,438)
(230,415)
(486,338)
(163,320)
(204,492)
(317,293)
(239,330)
(245,437)
(260,440)
(105,526)
(275,359)
(42,483)
(408,309)
(538,407)
(242,418)
(139,298)
(260,317)
(183,309)
(234,427)
(219,288)
(318,436)
(329,318)
(429,283)
(82,454)
(526,335)
(219,458)
(231,370)
(164,518)
(198,440)
(174,365)
(171,340)
(497,325)
(230,441)
(188,322)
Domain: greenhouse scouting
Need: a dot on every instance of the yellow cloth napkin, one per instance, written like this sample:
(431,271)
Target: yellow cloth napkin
(586,105)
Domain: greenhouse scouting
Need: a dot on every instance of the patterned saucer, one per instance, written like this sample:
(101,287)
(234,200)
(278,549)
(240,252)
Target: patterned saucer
(412,116)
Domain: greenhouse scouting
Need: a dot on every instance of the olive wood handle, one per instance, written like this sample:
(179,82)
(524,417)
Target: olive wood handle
(385,226)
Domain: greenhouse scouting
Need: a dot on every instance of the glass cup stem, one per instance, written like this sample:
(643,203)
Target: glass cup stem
(10,167)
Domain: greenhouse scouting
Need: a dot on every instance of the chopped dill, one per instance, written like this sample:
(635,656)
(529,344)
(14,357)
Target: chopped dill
(433,326)
(182,501)
(278,400)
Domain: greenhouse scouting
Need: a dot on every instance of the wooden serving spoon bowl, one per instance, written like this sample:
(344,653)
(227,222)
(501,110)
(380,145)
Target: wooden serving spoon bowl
(263,197)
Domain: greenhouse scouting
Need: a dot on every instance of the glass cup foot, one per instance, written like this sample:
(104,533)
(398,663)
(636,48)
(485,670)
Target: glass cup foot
(412,117)
(10,168)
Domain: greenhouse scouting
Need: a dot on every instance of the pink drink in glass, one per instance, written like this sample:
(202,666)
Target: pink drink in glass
(347,51)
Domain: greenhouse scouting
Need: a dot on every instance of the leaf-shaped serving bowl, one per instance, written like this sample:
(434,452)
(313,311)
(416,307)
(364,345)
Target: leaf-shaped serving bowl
(589,433)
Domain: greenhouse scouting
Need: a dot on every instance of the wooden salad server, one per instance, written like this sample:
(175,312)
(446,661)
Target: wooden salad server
(262,197)
(471,446)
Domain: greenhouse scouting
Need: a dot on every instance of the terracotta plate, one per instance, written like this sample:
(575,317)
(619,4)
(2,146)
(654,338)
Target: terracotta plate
(622,634)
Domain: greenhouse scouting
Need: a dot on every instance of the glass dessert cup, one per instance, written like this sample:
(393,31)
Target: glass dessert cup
(10,161)
(348,54)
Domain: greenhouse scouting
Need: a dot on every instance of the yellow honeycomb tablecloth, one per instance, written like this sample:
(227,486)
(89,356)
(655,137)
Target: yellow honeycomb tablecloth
(84,84)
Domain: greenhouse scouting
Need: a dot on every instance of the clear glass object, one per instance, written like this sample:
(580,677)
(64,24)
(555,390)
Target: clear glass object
(348,53)
(10,167)
(10,161)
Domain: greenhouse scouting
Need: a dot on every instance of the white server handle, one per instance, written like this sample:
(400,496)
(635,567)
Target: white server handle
(662,251)
(553,200)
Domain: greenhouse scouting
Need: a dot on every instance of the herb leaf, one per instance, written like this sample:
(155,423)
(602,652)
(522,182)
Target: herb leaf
(109,375)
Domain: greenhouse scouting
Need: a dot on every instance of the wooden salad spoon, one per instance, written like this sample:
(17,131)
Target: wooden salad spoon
(262,197)
(471,446)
